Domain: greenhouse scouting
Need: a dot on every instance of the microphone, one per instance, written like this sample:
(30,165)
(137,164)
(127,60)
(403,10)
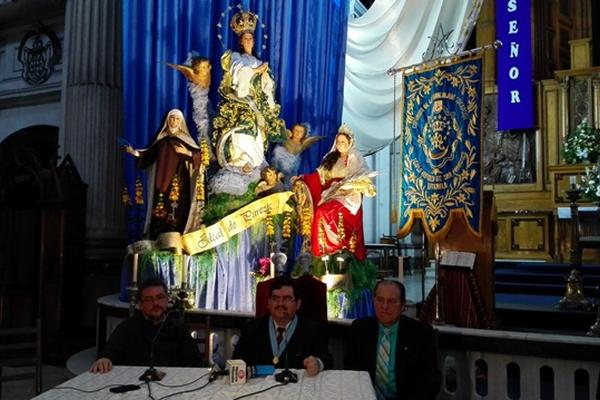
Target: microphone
(236,376)
(152,374)
(286,376)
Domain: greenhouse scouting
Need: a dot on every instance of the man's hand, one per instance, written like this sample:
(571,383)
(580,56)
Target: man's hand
(312,366)
(101,365)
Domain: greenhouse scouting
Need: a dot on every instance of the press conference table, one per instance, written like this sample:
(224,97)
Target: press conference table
(330,385)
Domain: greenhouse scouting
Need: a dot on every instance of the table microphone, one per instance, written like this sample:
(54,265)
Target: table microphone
(152,374)
(286,376)
(252,371)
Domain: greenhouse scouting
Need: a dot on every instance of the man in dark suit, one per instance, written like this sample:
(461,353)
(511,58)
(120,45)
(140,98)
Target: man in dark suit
(149,331)
(399,353)
(283,334)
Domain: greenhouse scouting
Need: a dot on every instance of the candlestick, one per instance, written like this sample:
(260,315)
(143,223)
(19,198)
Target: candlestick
(340,261)
(524,151)
(184,271)
(135,269)
(573,181)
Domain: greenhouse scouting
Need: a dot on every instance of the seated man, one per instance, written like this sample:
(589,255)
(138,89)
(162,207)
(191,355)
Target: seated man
(399,353)
(131,342)
(271,339)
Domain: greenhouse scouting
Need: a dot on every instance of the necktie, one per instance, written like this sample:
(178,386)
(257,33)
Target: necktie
(382,365)
(280,334)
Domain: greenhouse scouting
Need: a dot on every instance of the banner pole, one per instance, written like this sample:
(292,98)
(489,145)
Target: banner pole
(443,60)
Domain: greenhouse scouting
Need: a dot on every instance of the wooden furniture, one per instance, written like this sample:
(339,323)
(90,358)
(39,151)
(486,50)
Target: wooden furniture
(21,347)
(478,284)
(42,209)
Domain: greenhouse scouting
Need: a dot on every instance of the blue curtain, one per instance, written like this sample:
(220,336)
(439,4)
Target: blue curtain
(305,48)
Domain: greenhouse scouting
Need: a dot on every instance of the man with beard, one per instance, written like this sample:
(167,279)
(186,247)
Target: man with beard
(283,334)
(131,342)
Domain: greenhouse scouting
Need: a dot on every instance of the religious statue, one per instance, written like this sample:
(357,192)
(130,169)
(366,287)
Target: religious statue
(269,183)
(286,156)
(248,116)
(332,196)
(197,71)
(172,161)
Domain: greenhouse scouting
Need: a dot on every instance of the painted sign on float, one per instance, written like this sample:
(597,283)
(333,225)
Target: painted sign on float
(514,60)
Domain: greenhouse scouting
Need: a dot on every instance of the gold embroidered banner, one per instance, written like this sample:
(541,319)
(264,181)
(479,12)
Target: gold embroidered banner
(441,148)
(220,232)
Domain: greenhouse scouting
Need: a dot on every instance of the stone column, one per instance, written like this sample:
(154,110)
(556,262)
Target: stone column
(93,120)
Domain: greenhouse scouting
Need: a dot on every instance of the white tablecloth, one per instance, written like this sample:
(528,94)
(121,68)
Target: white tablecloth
(327,385)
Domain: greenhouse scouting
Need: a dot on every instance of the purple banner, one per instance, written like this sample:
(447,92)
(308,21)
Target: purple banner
(514,58)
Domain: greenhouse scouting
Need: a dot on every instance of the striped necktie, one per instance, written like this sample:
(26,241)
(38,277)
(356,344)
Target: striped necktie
(382,365)
(280,331)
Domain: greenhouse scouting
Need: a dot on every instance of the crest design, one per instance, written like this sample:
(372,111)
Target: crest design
(39,52)
(441,147)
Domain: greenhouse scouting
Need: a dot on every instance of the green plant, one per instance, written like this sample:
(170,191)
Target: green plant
(591,183)
(583,144)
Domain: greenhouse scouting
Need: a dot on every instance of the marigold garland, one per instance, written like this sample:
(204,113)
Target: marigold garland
(139,191)
(125,198)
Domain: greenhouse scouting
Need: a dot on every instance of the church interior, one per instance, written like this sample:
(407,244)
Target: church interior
(466,136)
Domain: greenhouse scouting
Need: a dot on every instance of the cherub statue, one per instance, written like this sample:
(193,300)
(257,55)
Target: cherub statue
(286,157)
(198,73)
(270,182)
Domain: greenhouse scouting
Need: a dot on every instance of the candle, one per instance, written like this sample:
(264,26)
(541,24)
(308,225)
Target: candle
(524,151)
(184,270)
(135,268)
(573,181)
(437,252)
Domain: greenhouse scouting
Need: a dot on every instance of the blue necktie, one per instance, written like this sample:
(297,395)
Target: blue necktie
(382,365)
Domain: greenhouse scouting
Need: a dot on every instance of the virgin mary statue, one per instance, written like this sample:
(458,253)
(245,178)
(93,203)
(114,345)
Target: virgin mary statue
(248,116)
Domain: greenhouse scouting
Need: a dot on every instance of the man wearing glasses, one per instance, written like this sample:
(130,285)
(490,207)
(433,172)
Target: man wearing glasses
(131,342)
(284,335)
(399,353)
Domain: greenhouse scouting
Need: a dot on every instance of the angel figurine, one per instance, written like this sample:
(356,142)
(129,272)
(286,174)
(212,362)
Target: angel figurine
(198,73)
(286,157)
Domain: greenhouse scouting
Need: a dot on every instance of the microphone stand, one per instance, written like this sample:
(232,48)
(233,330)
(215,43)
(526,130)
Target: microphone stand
(152,374)
(286,376)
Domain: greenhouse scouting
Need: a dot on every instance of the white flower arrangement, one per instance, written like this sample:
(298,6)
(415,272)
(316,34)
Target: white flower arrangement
(591,183)
(583,144)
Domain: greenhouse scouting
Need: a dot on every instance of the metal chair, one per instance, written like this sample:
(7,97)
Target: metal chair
(21,347)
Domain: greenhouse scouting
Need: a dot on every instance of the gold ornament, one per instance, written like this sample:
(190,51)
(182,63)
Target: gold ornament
(204,153)
(174,194)
(139,191)
(270,225)
(243,22)
(159,210)
(125,198)
(286,229)
(341,232)
(352,244)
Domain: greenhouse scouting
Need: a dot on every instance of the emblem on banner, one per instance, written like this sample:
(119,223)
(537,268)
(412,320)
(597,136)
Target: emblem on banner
(441,147)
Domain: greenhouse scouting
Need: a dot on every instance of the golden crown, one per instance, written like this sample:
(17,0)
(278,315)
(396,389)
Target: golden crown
(244,22)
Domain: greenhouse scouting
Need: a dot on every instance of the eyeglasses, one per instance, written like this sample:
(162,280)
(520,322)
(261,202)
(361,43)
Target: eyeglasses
(284,299)
(157,298)
(389,302)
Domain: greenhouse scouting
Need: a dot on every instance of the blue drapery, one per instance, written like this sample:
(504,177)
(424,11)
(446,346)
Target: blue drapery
(305,49)
(441,148)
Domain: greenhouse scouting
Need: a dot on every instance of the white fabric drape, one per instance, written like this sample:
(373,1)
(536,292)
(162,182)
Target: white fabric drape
(393,34)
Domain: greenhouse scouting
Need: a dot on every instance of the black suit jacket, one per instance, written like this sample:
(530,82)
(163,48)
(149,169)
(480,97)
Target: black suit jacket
(418,374)
(309,339)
